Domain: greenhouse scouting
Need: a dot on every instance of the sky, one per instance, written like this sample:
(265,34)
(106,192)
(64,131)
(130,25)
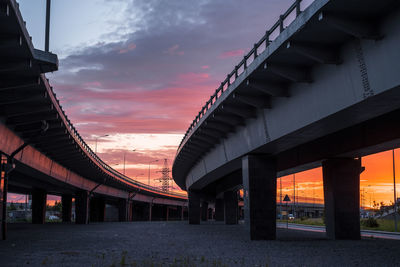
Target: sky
(139,71)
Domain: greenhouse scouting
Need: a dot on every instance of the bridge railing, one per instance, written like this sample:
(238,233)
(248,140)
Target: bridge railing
(89,152)
(284,20)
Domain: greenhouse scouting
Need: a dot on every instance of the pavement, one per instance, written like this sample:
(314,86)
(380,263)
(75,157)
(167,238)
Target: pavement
(181,244)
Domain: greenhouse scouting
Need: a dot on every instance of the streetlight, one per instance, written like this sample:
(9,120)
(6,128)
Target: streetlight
(125,157)
(95,151)
(149,170)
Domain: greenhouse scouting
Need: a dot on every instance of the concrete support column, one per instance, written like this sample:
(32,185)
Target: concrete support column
(259,188)
(231,205)
(150,211)
(82,207)
(97,209)
(194,208)
(342,197)
(204,211)
(123,210)
(180,212)
(3,198)
(219,210)
(39,197)
(66,203)
(130,210)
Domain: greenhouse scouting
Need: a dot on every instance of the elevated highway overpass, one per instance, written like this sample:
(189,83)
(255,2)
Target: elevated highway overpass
(42,152)
(321,88)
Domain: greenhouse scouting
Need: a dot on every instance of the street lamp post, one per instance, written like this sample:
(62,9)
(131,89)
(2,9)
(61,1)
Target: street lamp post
(95,150)
(125,158)
(148,182)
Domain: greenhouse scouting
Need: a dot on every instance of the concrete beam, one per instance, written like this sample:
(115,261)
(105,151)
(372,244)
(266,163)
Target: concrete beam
(230,120)
(20,86)
(244,112)
(318,53)
(218,126)
(207,138)
(357,28)
(11,42)
(275,90)
(40,96)
(254,101)
(38,117)
(290,73)
(212,133)
(12,66)
(14,110)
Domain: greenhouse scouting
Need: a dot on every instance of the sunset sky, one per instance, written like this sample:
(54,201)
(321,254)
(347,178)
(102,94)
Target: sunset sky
(139,70)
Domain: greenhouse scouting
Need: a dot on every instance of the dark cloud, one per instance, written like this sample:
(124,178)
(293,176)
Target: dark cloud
(167,58)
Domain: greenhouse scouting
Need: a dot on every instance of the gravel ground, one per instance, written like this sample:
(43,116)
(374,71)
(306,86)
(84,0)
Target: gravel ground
(180,244)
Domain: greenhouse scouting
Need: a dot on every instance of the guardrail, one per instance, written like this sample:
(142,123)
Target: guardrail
(284,20)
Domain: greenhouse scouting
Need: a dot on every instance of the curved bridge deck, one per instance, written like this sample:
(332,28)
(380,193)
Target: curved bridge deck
(42,152)
(321,84)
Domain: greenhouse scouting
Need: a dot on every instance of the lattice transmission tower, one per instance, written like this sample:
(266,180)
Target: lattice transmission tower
(165,177)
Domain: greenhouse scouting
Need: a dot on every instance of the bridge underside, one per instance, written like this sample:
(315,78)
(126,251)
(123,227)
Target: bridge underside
(323,93)
(41,151)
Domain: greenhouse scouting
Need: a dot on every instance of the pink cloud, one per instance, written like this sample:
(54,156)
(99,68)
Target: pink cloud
(231,53)
(119,110)
(205,67)
(174,50)
(130,47)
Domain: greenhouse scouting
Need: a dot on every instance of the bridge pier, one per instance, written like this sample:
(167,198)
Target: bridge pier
(204,211)
(180,212)
(194,207)
(231,205)
(39,197)
(66,203)
(130,211)
(150,212)
(82,207)
(123,206)
(341,178)
(259,188)
(97,209)
(219,210)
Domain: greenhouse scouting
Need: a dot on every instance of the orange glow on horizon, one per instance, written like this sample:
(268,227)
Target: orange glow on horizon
(376,182)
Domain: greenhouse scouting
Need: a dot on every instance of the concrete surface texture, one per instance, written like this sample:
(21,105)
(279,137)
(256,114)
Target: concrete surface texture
(180,244)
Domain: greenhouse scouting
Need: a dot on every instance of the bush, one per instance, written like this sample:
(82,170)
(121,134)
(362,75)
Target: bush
(370,222)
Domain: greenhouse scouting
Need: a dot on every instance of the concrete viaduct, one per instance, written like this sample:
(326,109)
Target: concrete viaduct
(41,151)
(321,88)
